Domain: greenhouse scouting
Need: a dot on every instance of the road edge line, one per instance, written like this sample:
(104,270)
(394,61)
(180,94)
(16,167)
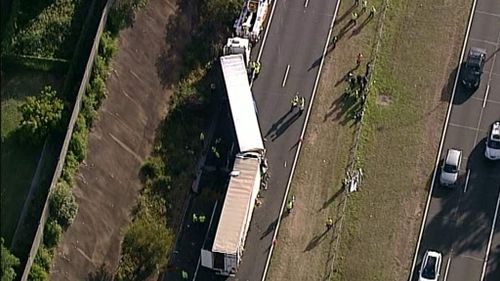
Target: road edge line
(492,232)
(441,143)
(299,146)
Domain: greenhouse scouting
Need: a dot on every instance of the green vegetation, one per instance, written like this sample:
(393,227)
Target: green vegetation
(169,172)
(47,28)
(19,159)
(41,115)
(9,262)
(62,204)
(123,13)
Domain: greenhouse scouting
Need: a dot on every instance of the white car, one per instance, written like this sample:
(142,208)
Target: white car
(492,151)
(451,167)
(431,266)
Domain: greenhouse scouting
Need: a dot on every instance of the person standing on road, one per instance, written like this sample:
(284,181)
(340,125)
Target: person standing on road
(329,223)
(184,275)
(295,102)
(202,218)
(302,104)
(202,139)
(195,218)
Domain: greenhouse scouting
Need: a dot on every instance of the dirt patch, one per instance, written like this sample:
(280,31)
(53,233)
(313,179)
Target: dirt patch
(383,100)
(107,183)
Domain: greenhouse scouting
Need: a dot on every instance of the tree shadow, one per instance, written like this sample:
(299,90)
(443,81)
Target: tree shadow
(101,274)
(465,216)
(179,33)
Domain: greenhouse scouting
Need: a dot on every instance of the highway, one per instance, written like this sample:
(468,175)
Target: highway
(463,223)
(291,57)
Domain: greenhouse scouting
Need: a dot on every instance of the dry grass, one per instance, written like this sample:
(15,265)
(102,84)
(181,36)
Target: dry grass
(419,49)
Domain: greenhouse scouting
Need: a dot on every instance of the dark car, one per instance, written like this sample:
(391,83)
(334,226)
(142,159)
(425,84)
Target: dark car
(473,69)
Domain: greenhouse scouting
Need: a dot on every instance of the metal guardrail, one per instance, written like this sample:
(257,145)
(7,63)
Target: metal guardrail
(62,155)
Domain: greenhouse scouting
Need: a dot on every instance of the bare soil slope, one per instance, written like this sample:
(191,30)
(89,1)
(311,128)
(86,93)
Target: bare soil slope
(108,183)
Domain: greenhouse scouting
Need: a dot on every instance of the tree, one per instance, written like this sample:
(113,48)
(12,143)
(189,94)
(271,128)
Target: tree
(41,114)
(122,14)
(9,261)
(52,234)
(63,206)
(145,248)
(37,273)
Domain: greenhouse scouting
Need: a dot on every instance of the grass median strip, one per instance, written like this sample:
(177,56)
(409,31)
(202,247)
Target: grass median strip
(419,49)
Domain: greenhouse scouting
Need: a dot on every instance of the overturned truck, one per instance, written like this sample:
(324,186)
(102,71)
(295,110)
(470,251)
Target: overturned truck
(224,254)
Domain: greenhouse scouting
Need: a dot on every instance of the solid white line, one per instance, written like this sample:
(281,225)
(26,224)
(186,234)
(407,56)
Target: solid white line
(299,146)
(486,95)
(307,3)
(441,143)
(205,240)
(466,180)
(267,31)
(286,76)
(447,269)
(491,237)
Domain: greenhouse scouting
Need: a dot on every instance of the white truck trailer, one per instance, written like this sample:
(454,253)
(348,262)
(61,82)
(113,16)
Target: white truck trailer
(225,253)
(252,18)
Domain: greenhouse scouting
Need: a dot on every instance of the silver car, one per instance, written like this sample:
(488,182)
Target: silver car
(451,167)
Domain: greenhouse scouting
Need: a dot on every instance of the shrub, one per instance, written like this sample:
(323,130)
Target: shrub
(37,273)
(63,206)
(107,46)
(122,14)
(52,234)
(43,258)
(70,165)
(78,143)
(9,262)
(145,247)
(41,114)
(152,168)
(46,35)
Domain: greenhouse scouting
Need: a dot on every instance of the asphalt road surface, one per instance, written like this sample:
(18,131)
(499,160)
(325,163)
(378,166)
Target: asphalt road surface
(460,221)
(290,63)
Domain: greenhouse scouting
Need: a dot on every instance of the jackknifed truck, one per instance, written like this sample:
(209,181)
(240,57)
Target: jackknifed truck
(225,251)
(251,21)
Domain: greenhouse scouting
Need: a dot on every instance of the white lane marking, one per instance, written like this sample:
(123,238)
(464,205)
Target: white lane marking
(467,180)
(491,237)
(483,41)
(489,101)
(441,143)
(286,76)
(487,13)
(464,127)
(299,146)
(267,31)
(307,3)
(486,95)
(447,269)
(205,240)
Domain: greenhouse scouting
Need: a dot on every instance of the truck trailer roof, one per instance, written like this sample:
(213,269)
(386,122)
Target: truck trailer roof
(241,103)
(238,206)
